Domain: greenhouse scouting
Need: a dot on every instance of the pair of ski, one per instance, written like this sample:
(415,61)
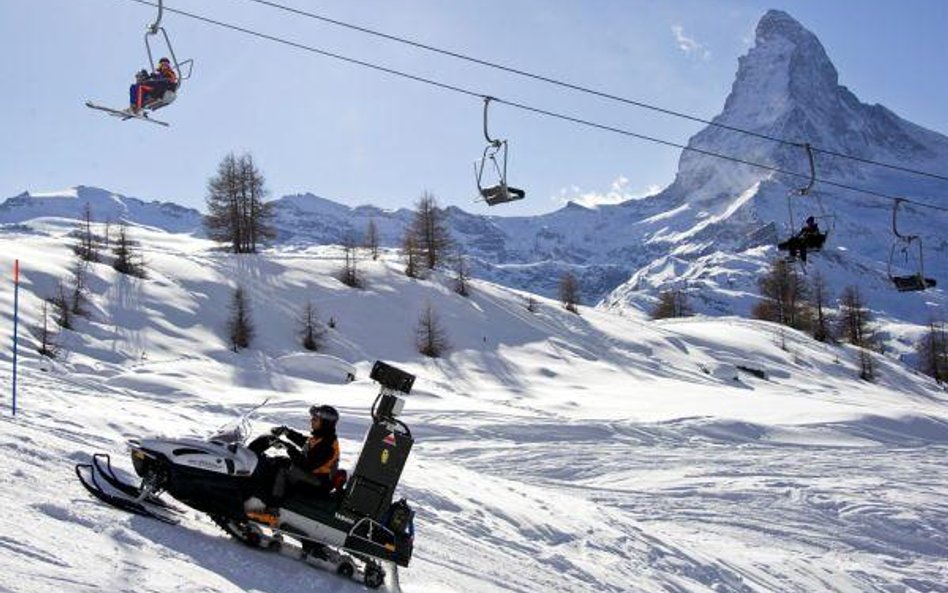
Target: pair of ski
(126,114)
(121,494)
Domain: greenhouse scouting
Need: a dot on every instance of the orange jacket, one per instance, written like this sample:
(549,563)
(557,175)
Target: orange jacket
(324,452)
(319,453)
(167,72)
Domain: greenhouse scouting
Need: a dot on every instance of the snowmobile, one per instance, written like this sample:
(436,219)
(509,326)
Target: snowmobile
(354,530)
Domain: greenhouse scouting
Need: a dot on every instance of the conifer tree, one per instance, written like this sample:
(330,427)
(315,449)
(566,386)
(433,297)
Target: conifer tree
(672,303)
(785,293)
(430,231)
(410,251)
(349,274)
(371,241)
(61,306)
(311,331)
(462,274)
(431,339)
(569,292)
(77,302)
(854,327)
(127,260)
(240,328)
(819,297)
(237,212)
(45,334)
(87,247)
(932,350)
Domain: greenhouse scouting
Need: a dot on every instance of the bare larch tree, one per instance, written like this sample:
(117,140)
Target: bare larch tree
(785,293)
(932,350)
(371,240)
(672,303)
(240,329)
(569,292)
(237,213)
(431,339)
(430,231)
(311,330)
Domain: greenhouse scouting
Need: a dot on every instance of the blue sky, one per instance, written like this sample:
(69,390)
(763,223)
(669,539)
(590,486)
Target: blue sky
(358,136)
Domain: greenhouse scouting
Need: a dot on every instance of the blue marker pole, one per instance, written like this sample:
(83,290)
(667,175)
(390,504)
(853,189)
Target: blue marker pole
(16,319)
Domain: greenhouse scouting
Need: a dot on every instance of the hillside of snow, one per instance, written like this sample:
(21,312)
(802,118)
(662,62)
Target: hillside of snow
(554,452)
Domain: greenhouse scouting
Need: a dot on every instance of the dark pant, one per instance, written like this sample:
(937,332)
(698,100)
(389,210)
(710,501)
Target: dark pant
(293,481)
(142,93)
(276,478)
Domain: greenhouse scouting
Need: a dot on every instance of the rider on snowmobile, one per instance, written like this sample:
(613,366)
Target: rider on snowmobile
(313,461)
(317,460)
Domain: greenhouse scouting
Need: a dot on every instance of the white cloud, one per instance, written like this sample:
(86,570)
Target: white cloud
(618,193)
(689,45)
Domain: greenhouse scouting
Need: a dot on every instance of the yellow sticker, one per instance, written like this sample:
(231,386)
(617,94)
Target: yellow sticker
(384,456)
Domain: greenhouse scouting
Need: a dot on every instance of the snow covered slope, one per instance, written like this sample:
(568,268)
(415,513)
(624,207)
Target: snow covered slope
(555,452)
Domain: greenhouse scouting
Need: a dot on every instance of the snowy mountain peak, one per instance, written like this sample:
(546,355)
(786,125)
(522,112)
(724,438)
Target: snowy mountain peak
(787,88)
(786,67)
(104,205)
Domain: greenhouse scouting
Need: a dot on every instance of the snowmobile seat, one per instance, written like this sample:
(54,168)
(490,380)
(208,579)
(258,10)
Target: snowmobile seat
(501,194)
(915,282)
(318,508)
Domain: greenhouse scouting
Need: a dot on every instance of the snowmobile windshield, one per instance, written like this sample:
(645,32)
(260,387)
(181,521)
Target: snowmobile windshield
(233,432)
(237,431)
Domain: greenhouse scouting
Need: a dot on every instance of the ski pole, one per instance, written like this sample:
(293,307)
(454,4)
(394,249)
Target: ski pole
(16,310)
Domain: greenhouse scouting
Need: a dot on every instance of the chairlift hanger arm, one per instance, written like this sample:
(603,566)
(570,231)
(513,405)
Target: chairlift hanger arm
(491,141)
(154,27)
(895,228)
(809,155)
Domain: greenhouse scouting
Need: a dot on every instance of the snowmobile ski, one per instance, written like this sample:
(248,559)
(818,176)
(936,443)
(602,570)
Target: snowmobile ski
(120,499)
(108,474)
(125,114)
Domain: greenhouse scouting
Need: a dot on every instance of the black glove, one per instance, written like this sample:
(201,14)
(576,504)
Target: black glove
(279,431)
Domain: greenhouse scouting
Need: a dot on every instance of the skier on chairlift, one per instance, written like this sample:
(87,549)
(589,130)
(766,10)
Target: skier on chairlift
(149,88)
(809,237)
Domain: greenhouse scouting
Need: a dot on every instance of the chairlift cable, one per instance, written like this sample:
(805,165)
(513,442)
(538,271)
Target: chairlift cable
(525,107)
(587,90)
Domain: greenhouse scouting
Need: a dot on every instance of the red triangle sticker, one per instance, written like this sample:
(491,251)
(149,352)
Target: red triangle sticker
(390,439)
